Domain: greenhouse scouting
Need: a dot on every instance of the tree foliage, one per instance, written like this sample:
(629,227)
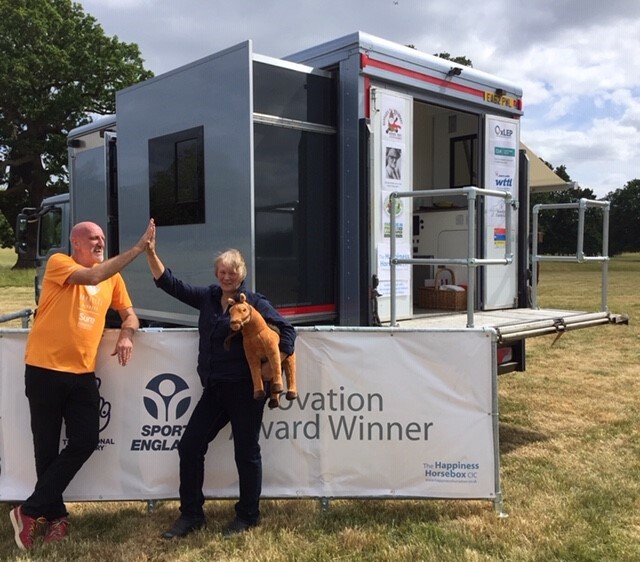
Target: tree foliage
(464,61)
(57,69)
(624,218)
(6,233)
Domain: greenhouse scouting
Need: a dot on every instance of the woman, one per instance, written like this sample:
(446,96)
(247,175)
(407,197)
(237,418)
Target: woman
(228,391)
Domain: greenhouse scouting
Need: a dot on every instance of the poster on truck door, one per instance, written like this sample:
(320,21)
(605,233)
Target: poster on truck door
(379,413)
(502,139)
(394,162)
(501,164)
(392,133)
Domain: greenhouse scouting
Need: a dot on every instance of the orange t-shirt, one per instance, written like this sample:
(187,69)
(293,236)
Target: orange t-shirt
(70,319)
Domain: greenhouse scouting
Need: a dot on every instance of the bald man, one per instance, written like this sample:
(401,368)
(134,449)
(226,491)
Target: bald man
(60,381)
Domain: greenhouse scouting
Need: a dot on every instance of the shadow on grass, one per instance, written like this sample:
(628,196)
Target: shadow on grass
(512,437)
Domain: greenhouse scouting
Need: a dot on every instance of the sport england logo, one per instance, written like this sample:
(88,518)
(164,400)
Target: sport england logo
(164,398)
(167,400)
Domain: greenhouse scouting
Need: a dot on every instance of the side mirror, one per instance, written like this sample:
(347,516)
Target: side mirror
(21,233)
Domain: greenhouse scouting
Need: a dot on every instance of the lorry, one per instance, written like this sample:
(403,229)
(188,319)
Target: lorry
(354,176)
(380,197)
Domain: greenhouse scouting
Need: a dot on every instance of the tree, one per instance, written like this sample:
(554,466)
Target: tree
(624,218)
(464,61)
(57,69)
(6,233)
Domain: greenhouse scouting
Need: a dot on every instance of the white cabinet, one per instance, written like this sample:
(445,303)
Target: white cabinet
(440,233)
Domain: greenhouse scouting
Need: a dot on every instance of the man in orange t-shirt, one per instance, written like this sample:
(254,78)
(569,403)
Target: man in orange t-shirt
(60,381)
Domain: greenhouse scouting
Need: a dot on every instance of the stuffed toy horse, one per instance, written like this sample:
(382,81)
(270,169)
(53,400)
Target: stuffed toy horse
(260,342)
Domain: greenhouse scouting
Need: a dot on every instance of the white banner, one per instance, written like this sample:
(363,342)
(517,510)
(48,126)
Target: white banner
(381,413)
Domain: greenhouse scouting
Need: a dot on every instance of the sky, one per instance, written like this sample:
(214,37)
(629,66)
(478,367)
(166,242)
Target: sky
(577,61)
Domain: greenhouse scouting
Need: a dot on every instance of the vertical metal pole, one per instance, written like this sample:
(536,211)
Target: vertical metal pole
(392,258)
(605,255)
(471,256)
(581,208)
(534,258)
(507,214)
(495,425)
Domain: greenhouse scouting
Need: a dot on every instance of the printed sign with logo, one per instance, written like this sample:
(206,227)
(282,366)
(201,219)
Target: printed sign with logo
(502,165)
(167,401)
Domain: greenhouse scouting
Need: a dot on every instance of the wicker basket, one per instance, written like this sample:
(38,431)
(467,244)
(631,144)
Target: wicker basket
(436,299)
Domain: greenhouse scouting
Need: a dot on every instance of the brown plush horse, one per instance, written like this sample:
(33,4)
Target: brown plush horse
(260,342)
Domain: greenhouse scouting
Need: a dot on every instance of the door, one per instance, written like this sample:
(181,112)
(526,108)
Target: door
(391,149)
(499,287)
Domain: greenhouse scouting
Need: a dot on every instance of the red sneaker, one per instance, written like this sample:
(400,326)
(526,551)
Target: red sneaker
(24,527)
(56,530)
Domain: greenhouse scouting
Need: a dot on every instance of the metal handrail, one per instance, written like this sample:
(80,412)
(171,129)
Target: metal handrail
(25,314)
(470,261)
(579,257)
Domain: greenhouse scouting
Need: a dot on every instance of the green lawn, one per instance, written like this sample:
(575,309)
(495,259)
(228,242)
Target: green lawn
(570,460)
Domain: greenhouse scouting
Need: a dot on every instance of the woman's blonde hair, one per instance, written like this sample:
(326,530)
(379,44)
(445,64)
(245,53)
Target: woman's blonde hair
(232,259)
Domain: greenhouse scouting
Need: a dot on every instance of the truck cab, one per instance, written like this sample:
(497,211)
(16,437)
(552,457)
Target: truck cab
(50,225)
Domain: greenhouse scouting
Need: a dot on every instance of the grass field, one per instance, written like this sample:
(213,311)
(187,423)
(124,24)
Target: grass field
(570,467)
(16,288)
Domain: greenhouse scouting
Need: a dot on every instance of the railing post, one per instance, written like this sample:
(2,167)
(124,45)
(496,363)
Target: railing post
(534,257)
(392,258)
(582,205)
(508,217)
(605,252)
(471,255)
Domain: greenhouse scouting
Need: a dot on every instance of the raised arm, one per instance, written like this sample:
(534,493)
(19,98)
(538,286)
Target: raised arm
(156,266)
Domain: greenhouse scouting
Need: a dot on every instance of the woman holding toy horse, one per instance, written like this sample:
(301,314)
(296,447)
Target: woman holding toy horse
(228,391)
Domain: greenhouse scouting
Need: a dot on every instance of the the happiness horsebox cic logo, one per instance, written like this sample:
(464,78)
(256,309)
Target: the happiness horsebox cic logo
(167,401)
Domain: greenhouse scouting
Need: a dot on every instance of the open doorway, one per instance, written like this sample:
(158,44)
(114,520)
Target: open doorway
(445,155)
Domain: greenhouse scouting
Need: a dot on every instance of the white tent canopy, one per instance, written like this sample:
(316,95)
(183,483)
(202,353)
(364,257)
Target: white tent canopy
(541,177)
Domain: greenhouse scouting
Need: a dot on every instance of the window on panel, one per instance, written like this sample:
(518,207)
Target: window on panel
(294,95)
(176,178)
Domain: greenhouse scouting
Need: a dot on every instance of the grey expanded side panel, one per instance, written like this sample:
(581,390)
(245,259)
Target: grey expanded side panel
(215,93)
